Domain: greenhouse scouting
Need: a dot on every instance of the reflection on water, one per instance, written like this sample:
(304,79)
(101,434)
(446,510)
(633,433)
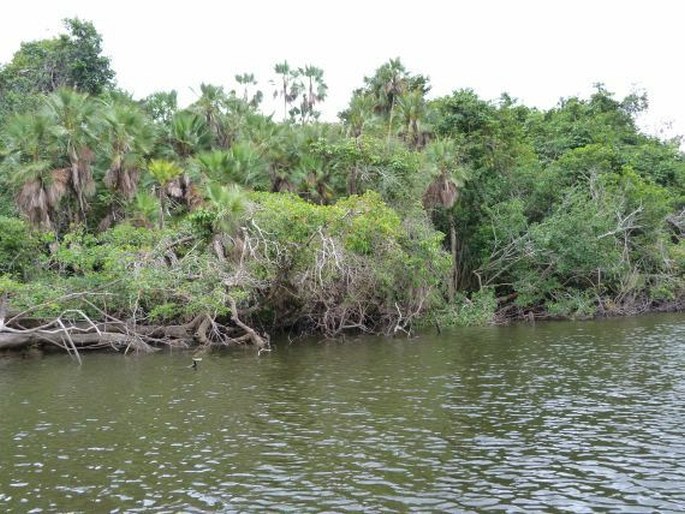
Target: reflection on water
(577,417)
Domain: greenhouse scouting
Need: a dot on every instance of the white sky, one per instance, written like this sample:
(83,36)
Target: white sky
(537,51)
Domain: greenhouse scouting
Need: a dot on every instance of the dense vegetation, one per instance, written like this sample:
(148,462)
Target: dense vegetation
(127,222)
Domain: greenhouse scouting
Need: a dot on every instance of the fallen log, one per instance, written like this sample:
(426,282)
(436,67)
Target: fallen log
(21,339)
(73,330)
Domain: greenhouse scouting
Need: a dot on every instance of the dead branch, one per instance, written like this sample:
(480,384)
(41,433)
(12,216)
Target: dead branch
(256,339)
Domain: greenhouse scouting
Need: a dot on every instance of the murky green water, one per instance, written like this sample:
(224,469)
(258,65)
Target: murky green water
(577,417)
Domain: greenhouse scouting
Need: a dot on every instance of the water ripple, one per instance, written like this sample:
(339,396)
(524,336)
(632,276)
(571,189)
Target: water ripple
(568,417)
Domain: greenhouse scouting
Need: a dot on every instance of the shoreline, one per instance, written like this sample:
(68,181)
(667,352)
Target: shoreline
(76,338)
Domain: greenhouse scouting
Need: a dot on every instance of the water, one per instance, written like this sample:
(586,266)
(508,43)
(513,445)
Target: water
(574,417)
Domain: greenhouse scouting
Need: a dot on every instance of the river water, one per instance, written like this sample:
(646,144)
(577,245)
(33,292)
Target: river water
(556,417)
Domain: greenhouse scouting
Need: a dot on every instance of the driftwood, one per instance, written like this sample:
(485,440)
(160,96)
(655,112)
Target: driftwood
(20,330)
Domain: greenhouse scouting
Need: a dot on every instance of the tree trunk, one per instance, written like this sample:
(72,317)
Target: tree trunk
(452,285)
(161,207)
(392,113)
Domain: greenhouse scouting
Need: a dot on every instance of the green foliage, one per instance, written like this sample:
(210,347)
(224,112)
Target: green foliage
(20,247)
(161,106)
(565,212)
(163,171)
(573,304)
(358,251)
(477,310)
(71,60)
(367,223)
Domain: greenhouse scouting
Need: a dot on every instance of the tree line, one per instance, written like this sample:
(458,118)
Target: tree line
(407,211)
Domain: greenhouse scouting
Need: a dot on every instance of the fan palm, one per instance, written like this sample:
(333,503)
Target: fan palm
(314,94)
(229,204)
(128,138)
(189,134)
(412,108)
(29,165)
(72,114)
(447,177)
(163,172)
(211,107)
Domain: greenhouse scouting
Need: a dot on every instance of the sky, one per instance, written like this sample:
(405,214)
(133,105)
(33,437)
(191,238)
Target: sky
(535,50)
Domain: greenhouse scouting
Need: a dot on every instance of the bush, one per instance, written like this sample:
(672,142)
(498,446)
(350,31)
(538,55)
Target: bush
(20,247)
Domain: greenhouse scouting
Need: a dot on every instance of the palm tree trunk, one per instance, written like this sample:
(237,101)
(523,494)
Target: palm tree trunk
(352,181)
(452,285)
(392,113)
(161,207)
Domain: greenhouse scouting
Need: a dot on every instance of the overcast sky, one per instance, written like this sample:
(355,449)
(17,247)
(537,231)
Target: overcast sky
(537,51)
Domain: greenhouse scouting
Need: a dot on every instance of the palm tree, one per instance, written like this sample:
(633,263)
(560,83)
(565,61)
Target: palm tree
(214,165)
(144,209)
(412,107)
(211,107)
(289,86)
(189,134)
(315,93)
(72,114)
(447,177)
(358,118)
(229,203)
(246,80)
(273,141)
(29,164)
(388,83)
(314,178)
(163,172)
(129,137)
(359,115)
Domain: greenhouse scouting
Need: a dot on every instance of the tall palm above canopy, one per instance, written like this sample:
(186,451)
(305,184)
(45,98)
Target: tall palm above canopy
(387,86)
(288,86)
(315,93)
(72,114)
(412,110)
(247,80)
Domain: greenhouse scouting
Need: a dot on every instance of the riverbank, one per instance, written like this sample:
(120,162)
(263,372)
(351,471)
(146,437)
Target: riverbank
(31,336)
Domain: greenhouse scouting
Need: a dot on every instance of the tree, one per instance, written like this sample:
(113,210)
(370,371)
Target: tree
(313,93)
(161,106)
(163,172)
(88,70)
(73,60)
(412,107)
(359,115)
(72,114)
(228,205)
(210,106)
(189,134)
(387,85)
(247,80)
(29,168)
(289,86)
(447,178)
(128,138)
